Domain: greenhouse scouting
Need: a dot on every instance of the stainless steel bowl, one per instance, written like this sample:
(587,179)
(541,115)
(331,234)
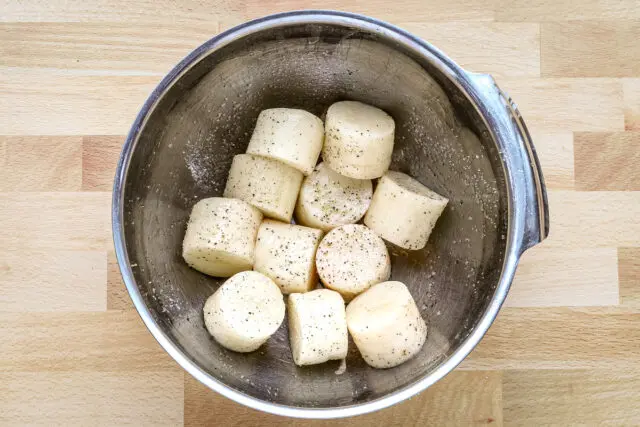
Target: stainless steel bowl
(180,148)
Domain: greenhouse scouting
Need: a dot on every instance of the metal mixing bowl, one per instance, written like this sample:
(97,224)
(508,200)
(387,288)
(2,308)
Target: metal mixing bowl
(180,148)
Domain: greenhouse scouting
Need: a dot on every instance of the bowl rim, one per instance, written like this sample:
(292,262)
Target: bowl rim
(516,225)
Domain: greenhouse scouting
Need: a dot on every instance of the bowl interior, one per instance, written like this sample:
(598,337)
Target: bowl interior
(184,152)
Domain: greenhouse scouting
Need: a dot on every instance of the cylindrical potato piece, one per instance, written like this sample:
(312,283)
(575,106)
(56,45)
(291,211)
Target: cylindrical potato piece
(358,140)
(267,184)
(386,325)
(351,258)
(286,253)
(221,236)
(403,211)
(289,135)
(328,199)
(317,327)
(244,312)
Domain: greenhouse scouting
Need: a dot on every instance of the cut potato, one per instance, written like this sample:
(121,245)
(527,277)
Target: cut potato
(328,199)
(221,235)
(244,312)
(317,327)
(358,140)
(403,211)
(351,258)
(286,253)
(291,136)
(386,325)
(267,184)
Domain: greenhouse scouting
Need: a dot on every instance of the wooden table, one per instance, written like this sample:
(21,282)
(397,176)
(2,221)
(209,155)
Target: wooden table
(565,350)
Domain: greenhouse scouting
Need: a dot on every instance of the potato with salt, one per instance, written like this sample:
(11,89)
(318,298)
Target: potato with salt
(317,327)
(267,184)
(291,136)
(358,140)
(220,237)
(328,199)
(386,325)
(286,253)
(244,312)
(351,258)
(403,211)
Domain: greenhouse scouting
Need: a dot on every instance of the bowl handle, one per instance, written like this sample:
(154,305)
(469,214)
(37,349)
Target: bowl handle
(536,206)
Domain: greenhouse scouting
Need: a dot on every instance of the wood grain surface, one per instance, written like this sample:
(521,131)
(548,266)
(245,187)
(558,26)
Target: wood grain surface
(564,351)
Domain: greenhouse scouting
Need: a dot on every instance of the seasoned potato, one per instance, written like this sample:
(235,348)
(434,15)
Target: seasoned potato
(291,136)
(244,312)
(286,253)
(386,325)
(351,258)
(267,184)
(317,327)
(221,235)
(358,140)
(403,211)
(328,199)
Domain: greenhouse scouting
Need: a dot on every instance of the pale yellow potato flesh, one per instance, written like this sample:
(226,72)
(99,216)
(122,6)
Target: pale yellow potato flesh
(386,325)
(286,253)
(267,184)
(328,199)
(220,237)
(244,312)
(351,258)
(358,140)
(403,211)
(317,327)
(289,135)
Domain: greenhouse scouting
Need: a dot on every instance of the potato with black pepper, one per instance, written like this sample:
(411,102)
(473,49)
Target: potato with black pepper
(220,237)
(244,312)
(358,140)
(317,327)
(267,184)
(386,325)
(328,199)
(403,211)
(286,253)
(289,135)
(351,258)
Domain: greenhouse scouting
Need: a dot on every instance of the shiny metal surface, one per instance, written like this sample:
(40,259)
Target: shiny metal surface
(180,148)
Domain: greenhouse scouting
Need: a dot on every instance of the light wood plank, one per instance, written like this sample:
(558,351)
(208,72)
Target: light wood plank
(100,155)
(603,397)
(117,295)
(631,89)
(56,221)
(607,161)
(71,68)
(409,10)
(87,342)
(502,49)
(48,102)
(461,398)
(560,338)
(143,11)
(53,281)
(549,277)
(101,47)
(590,49)
(629,273)
(594,219)
(92,398)
(555,152)
(40,163)
(565,105)
(563,10)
